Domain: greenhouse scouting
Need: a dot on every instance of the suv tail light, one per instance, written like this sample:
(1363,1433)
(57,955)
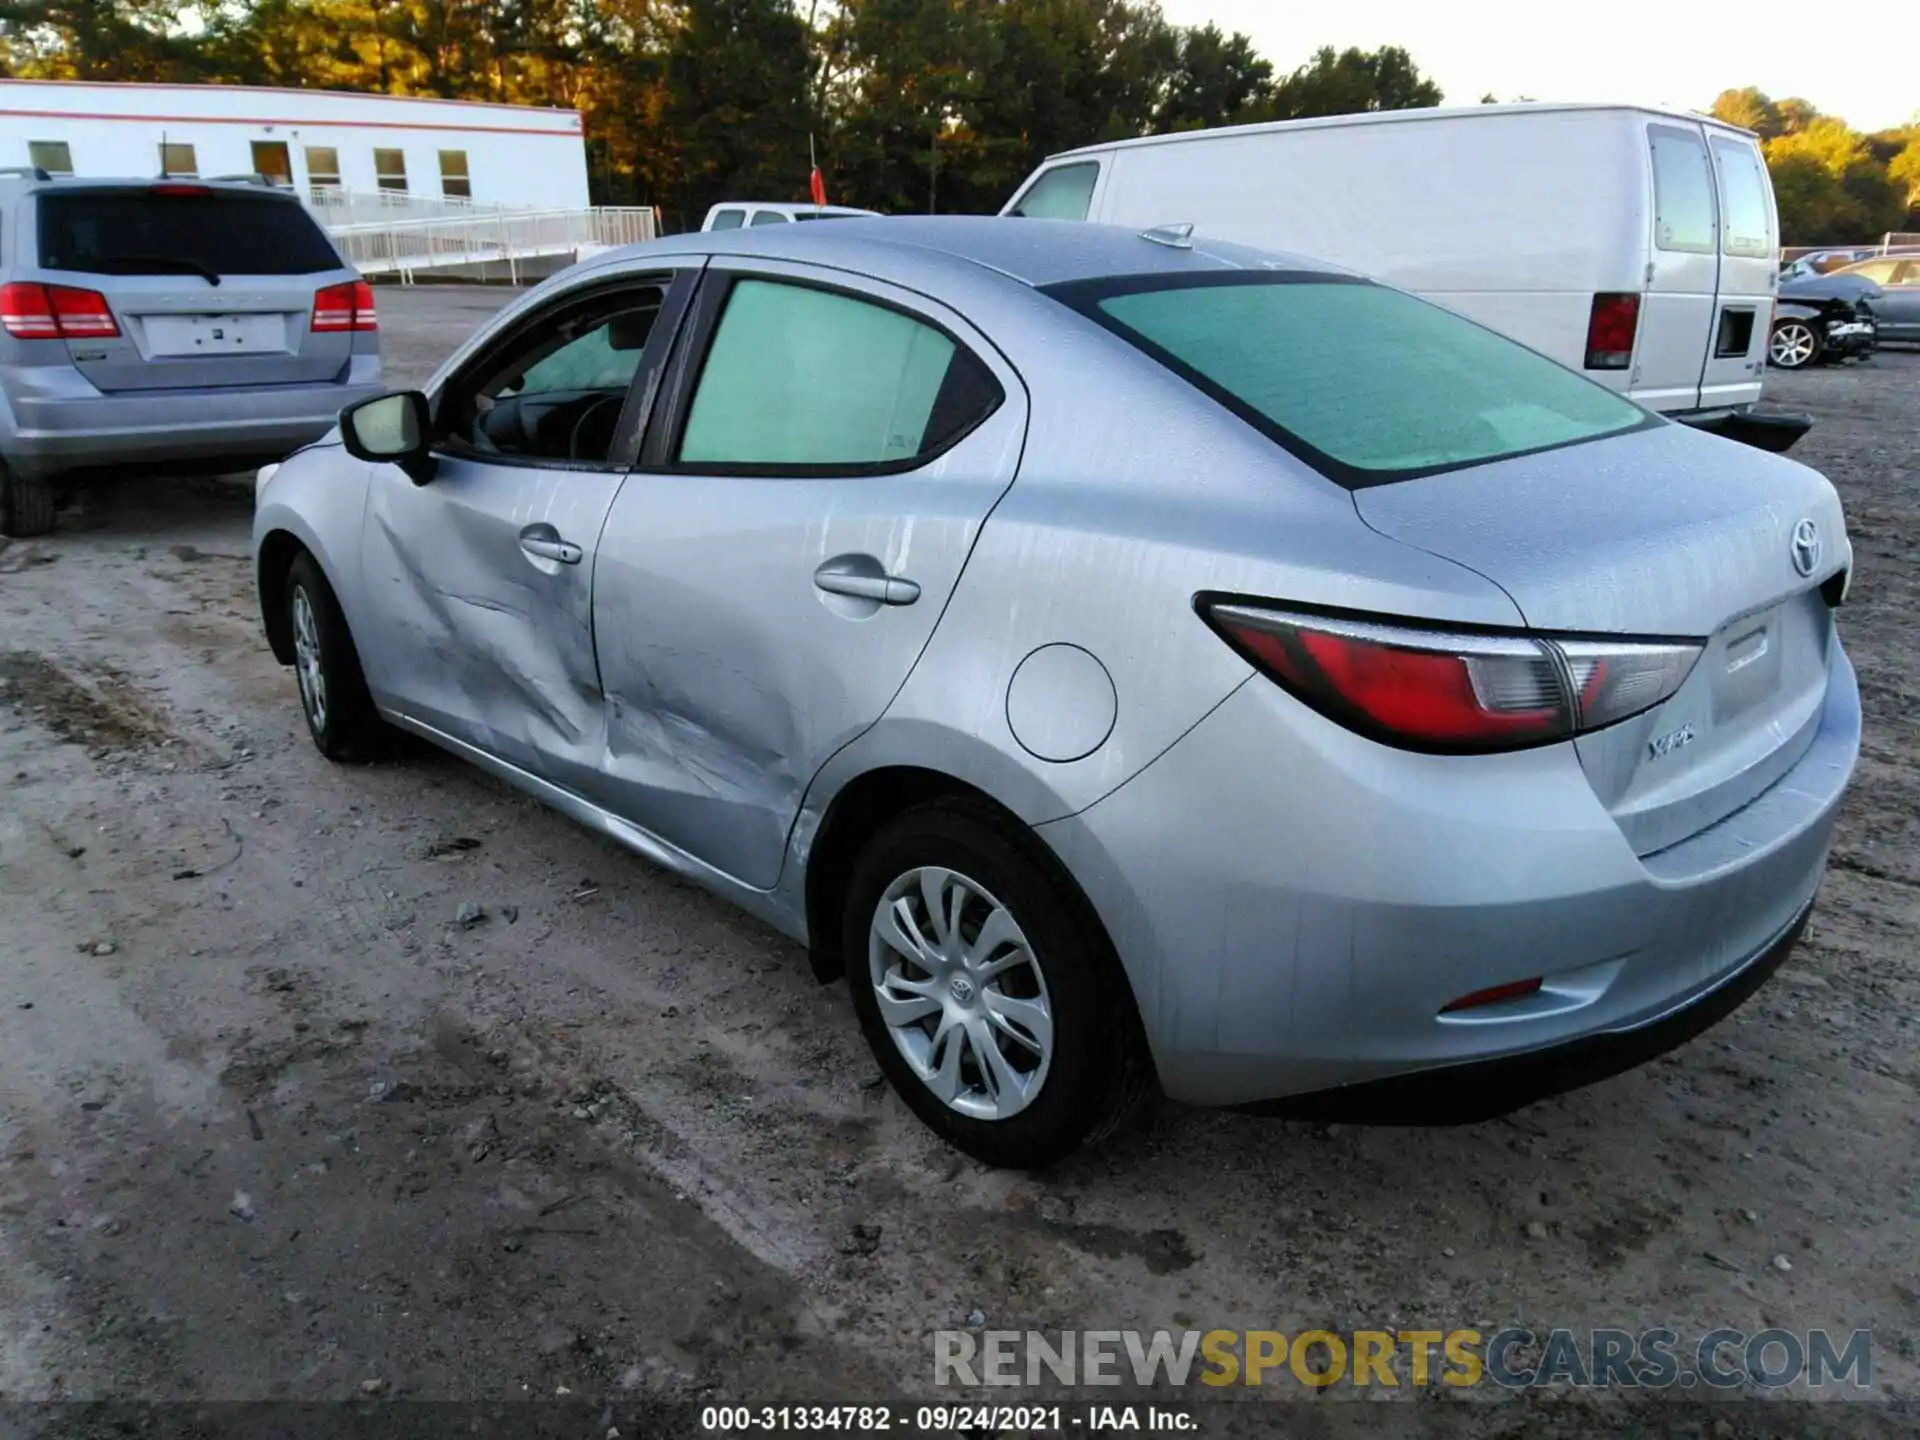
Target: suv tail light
(344,307)
(1453,692)
(52,312)
(1610,330)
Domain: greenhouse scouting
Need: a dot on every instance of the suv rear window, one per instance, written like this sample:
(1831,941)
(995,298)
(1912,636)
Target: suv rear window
(141,232)
(1365,383)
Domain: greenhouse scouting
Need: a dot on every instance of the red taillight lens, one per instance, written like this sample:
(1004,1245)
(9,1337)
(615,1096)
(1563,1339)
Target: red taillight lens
(177,189)
(344,307)
(51,312)
(1492,995)
(1610,330)
(1448,691)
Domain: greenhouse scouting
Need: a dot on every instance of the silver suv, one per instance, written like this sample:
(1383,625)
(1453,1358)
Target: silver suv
(169,325)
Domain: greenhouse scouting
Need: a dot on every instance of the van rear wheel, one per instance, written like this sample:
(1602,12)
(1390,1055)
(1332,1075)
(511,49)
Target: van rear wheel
(1794,346)
(26,506)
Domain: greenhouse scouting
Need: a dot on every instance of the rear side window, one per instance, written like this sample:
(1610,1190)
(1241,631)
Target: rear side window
(1367,384)
(1748,229)
(768,217)
(728,219)
(1682,191)
(139,232)
(1062,193)
(806,380)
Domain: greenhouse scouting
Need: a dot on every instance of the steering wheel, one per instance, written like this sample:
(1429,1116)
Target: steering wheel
(580,425)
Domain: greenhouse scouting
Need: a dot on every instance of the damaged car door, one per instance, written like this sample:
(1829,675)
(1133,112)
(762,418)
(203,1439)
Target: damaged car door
(483,567)
(824,454)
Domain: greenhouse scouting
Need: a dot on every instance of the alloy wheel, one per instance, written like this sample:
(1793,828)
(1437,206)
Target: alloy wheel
(1792,345)
(961,993)
(306,659)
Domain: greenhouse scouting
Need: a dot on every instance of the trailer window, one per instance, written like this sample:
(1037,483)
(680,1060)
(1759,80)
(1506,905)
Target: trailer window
(1062,193)
(52,156)
(1744,194)
(1365,383)
(1682,192)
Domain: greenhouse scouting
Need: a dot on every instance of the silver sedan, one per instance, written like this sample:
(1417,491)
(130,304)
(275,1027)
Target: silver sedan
(1132,662)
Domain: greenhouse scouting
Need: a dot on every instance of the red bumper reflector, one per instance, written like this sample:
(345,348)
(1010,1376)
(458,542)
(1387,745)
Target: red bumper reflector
(1492,995)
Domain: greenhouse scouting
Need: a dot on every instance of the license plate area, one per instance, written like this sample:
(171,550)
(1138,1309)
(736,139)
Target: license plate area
(173,336)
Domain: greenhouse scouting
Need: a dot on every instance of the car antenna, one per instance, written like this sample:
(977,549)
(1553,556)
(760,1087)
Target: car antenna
(1176,237)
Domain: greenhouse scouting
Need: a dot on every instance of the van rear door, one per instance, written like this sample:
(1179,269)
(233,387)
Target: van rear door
(1749,271)
(1678,310)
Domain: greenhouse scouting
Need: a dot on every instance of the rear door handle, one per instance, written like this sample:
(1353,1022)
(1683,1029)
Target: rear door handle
(545,542)
(857,577)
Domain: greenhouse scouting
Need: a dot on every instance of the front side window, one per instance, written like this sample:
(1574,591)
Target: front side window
(1682,192)
(217,232)
(390,169)
(801,380)
(556,390)
(53,156)
(1749,230)
(728,219)
(454,179)
(1062,193)
(178,161)
(1366,383)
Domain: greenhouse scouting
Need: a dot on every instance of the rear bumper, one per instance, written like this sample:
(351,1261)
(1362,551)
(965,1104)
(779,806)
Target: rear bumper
(53,434)
(1295,907)
(1774,430)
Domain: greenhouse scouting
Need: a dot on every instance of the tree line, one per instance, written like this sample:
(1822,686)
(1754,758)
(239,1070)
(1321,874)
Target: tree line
(910,105)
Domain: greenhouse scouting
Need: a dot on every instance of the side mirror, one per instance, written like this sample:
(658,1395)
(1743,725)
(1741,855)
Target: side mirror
(391,430)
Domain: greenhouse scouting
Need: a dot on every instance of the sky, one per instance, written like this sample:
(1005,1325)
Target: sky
(1679,53)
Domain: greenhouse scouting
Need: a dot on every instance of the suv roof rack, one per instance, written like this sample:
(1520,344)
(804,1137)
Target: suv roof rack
(26,172)
(244,180)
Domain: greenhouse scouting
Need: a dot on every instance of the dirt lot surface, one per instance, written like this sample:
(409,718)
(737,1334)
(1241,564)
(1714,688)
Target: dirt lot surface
(274,1124)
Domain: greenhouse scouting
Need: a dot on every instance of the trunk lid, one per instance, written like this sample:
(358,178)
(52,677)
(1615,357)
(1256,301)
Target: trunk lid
(1661,533)
(209,286)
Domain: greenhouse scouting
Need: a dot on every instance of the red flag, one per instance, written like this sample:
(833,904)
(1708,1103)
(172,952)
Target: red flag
(818,185)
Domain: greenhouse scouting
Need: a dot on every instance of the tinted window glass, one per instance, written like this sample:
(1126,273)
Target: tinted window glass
(556,391)
(728,219)
(136,232)
(1063,193)
(1748,231)
(799,377)
(1682,192)
(1370,383)
(768,217)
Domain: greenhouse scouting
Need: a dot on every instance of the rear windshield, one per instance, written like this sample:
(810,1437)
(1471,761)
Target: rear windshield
(1366,383)
(138,232)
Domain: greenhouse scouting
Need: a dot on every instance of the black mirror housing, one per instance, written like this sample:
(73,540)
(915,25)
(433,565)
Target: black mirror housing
(390,429)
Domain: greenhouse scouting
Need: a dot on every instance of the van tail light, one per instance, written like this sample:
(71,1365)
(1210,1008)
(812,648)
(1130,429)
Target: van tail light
(344,307)
(1610,330)
(53,312)
(1448,691)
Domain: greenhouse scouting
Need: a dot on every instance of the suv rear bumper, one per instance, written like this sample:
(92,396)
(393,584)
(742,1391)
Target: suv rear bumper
(53,434)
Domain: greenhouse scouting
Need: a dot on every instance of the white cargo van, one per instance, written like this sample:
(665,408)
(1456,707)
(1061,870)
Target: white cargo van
(1639,246)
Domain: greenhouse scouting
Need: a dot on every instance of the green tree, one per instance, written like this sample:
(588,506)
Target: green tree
(1217,79)
(98,40)
(1349,82)
(1750,109)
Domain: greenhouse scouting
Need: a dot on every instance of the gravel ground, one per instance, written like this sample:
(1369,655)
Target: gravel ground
(274,1125)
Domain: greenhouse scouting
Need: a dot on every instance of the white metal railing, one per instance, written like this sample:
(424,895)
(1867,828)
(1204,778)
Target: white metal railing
(402,246)
(1900,240)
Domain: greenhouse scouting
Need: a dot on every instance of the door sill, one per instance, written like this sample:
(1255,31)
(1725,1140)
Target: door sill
(763,904)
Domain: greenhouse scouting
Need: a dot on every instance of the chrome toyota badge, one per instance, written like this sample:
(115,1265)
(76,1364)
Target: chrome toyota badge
(1805,547)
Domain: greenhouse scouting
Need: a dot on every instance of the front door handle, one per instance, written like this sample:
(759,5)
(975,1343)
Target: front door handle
(861,577)
(545,542)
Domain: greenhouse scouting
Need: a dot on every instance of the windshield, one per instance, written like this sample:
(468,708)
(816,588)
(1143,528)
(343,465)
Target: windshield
(141,232)
(1366,383)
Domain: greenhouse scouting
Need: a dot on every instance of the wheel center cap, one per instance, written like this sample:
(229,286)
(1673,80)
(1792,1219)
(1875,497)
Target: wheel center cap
(961,988)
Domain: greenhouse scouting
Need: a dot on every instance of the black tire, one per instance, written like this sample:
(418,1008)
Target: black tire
(26,506)
(1098,1072)
(344,723)
(1809,354)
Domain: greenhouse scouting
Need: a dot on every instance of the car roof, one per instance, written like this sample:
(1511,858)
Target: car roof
(56,183)
(788,207)
(1033,252)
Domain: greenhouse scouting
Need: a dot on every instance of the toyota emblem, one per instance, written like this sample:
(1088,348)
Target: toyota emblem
(1805,546)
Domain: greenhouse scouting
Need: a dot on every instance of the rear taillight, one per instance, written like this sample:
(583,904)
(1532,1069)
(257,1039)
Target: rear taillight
(53,312)
(1452,691)
(344,307)
(1610,329)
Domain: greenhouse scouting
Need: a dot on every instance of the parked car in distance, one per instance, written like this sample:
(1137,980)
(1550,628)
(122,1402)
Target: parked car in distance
(1820,262)
(1457,731)
(738,214)
(1824,318)
(166,324)
(1638,246)
(1896,309)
